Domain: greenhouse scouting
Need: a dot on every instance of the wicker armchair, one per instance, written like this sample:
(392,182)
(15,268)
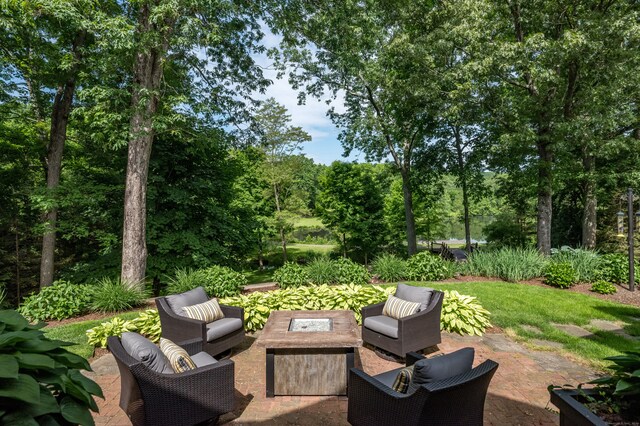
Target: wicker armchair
(458,400)
(179,328)
(151,398)
(415,332)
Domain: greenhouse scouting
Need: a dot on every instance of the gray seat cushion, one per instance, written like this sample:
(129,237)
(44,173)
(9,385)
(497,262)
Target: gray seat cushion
(222,327)
(383,325)
(442,367)
(415,294)
(192,297)
(145,351)
(202,359)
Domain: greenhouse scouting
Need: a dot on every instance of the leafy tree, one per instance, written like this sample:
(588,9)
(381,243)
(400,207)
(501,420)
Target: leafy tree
(350,202)
(280,141)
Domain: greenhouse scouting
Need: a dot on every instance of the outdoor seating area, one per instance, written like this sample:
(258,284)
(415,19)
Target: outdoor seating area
(517,393)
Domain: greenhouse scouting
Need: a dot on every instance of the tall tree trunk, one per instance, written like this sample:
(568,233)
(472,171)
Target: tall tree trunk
(62,104)
(283,236)
(147,76)
(462,173)
(412,245)
(590,203)
(545,209)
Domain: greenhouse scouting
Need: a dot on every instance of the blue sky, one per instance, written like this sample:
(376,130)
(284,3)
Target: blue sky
(324,147)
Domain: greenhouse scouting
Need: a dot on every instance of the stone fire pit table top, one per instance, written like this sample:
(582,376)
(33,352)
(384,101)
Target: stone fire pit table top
(344,333)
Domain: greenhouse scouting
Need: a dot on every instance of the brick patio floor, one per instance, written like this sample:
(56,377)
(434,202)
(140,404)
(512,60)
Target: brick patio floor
(517,394)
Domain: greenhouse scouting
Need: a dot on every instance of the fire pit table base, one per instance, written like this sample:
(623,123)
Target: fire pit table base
(309,371)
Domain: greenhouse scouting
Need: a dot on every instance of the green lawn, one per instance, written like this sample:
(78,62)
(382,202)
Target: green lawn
(514,305)
(76,333)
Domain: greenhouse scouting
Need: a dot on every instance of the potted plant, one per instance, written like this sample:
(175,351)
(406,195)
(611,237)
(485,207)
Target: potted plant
(615,399)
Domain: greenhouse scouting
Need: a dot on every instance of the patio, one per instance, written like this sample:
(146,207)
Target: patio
(517,394)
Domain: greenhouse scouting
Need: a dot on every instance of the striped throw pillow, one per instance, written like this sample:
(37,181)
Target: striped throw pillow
(178,358)
(401,384)
(398,308)
(208,311)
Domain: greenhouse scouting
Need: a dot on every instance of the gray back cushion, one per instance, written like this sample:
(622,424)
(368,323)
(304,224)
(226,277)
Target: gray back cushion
(192,297)
(415,294)
(142,349)
(441,367)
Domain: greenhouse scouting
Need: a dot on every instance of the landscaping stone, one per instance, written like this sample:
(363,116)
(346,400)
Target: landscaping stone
(531,329)
(613,327)
(547,344)
(574,330)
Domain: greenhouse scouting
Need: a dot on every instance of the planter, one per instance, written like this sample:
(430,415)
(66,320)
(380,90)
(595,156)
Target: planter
(572,411)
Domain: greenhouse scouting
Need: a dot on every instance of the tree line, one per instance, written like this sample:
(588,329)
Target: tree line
(124,124)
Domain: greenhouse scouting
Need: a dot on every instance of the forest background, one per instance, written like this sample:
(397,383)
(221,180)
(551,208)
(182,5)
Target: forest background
(131,143)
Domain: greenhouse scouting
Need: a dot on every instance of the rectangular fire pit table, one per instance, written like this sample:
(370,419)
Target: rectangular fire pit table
(309,352)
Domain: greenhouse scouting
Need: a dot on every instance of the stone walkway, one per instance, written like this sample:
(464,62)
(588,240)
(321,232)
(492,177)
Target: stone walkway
(517,394)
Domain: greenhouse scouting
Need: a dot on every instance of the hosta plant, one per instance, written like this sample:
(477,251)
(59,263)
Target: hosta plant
(147,324)
(58,301)
(40,380)
(463,314)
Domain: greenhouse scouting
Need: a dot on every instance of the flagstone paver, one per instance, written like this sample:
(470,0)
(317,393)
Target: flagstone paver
(574,330)
(517,394)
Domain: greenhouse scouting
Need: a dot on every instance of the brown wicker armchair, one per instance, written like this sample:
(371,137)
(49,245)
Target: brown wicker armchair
(457,400)
(152,398)
(217,337)
(413,333)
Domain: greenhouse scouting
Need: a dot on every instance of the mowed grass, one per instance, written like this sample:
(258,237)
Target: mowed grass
(308,222)
(514,305)
(76,333)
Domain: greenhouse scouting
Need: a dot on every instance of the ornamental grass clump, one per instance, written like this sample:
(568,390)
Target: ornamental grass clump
(40,380)
(112,295)
(389,267)
(585,263)
(509,264)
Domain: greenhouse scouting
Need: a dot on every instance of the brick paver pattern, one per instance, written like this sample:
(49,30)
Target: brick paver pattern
(517,394)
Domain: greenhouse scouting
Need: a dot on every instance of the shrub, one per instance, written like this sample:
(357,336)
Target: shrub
(510,264)
(222,281)
(389,267)
(603,287)
(425,266)
(622,387)
(291,275)
(112,295)
(219,281)
(41,381)
(585,263)
(560,274)
(58,301)
(614,268)
(349,272)
(463,314)
(321,271)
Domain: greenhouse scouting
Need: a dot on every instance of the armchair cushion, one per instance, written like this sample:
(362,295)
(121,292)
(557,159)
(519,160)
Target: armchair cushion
(192,297)
(401,383)
(208,311)
(382,324)
(415,294)
(441,367)
(143,350)
(202,359)
(222,327)
(178,358)
(398,308)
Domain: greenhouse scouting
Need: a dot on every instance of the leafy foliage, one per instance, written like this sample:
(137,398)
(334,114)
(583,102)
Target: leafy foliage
(321,270)
(41,381)
(114,327)
(426,266)
(510,264)
(603,287)
(585,263)
(463,314)
(560,274)
(389,267)
(623,386)
(222,281)
(58,301)
(112,295)
(614,268)
(291,275)
(349,272)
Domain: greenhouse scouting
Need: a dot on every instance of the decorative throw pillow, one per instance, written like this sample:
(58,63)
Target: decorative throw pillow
(401,384)
(414,294)
(398,308)
(207,311)
(178,358)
